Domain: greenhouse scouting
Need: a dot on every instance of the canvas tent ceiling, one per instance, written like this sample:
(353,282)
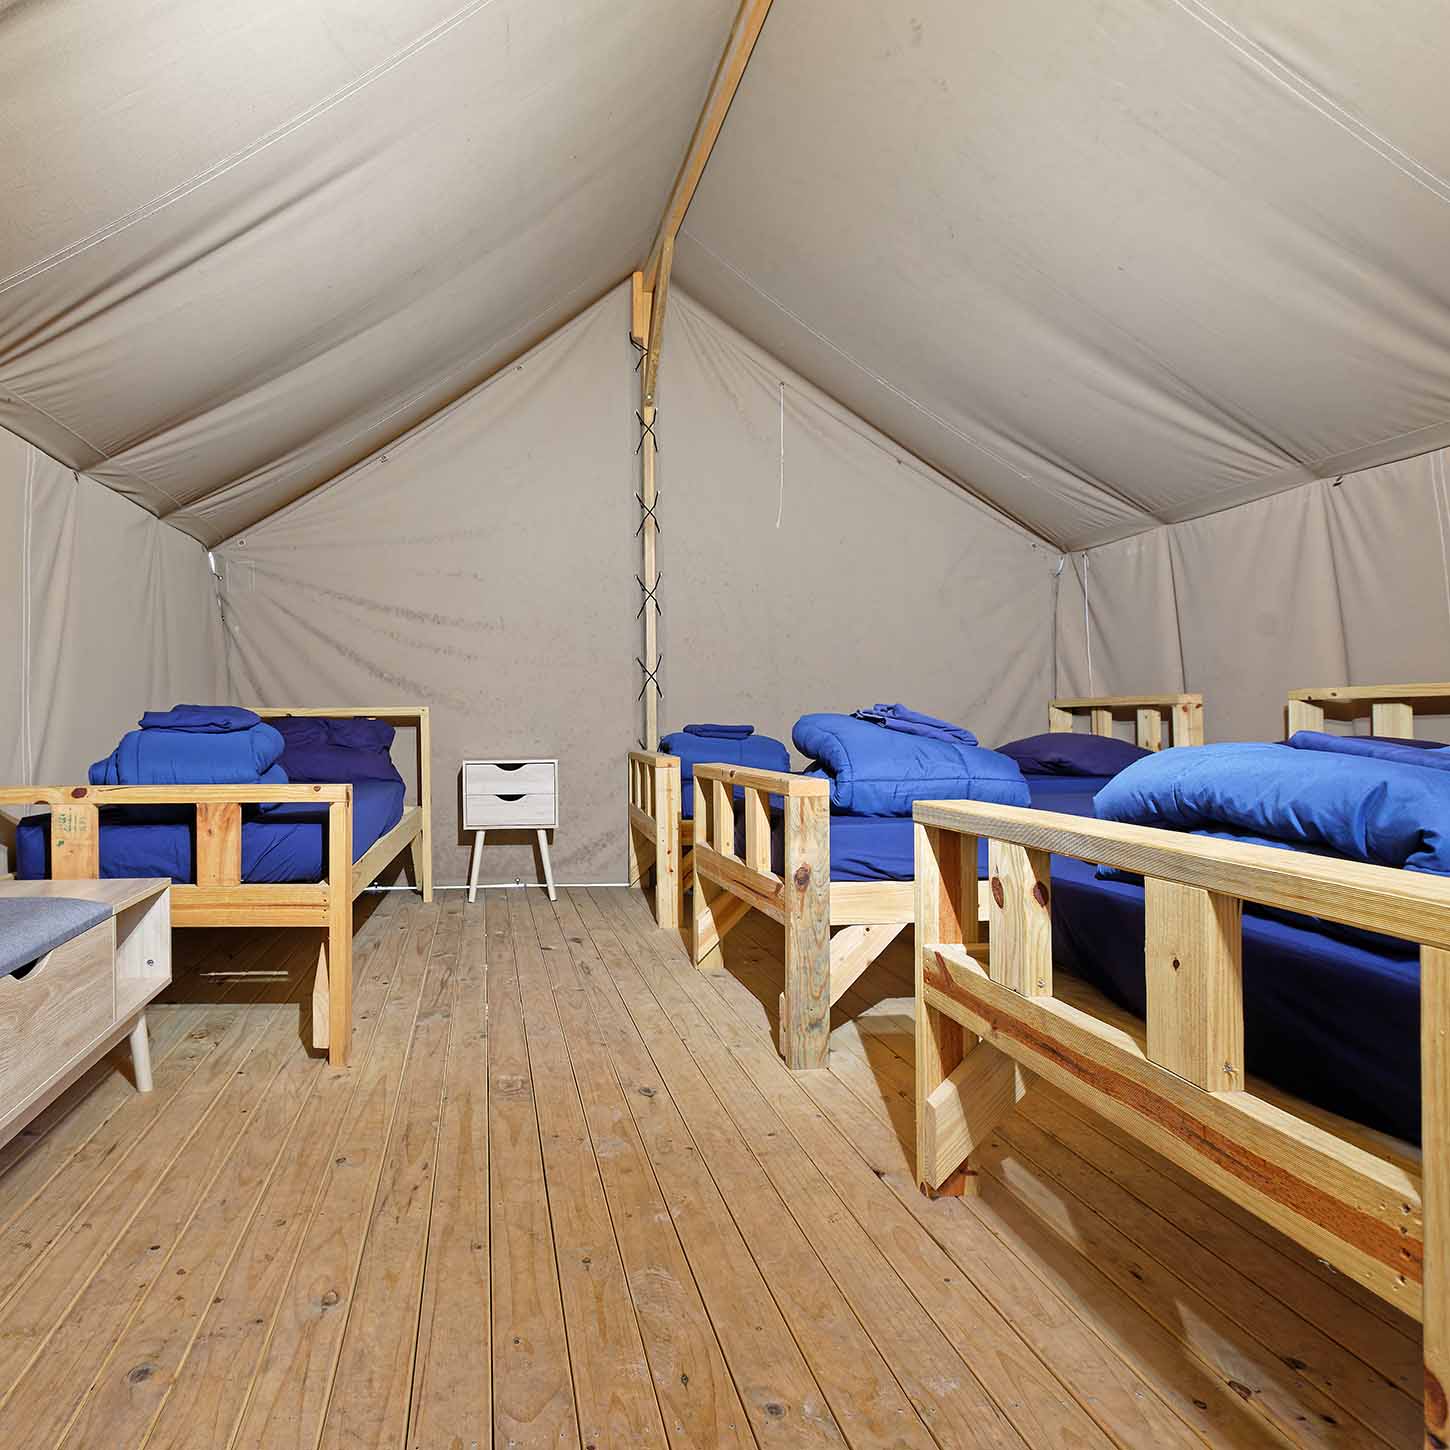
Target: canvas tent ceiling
(245,243)
(1105,266)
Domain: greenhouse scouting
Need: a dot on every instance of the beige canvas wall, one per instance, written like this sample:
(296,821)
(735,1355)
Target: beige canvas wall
(104,612)
(1340,581)
(483,565)
(811,564)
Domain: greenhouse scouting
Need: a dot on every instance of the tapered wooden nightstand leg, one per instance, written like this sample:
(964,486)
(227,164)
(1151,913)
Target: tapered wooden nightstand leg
(141,1055)
(548,864)
(474,865)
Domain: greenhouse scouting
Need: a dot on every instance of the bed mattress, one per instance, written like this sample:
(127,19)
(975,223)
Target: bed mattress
(1332,1019)
(285,843)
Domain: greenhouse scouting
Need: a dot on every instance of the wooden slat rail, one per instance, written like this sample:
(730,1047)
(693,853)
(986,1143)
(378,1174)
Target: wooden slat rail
(819,970)
(988,1025)
(654,834)
(1184,713)
(1391,707)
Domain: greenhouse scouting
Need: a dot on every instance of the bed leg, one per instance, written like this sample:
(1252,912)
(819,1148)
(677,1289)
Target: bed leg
(421,849)
(338,953)
(1435,1190)
(805,1022)
(141,1055)
(321,1012)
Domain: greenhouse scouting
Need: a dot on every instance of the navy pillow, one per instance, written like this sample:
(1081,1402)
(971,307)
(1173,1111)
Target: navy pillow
(300,729)
(358,733)
(1061,752)
(328,764)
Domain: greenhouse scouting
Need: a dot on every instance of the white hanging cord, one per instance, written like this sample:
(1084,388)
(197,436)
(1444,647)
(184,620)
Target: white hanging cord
(1087,622)
(780,501)
(1442,507)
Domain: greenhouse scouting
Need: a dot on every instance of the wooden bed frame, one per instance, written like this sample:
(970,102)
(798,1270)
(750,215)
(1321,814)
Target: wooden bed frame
(1183,712)
(989,1024)
(1391,707)
(662,841)
(219,897)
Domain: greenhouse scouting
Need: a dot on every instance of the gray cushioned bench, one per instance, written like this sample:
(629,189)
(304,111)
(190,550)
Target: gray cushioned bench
(32,926)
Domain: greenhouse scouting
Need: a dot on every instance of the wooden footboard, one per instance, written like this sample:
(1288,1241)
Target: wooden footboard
(1182,712)
(988,1025)
(819,969)
(1391,708)
(653,832)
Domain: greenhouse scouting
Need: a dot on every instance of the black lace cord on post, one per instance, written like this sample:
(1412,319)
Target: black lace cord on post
(649,596)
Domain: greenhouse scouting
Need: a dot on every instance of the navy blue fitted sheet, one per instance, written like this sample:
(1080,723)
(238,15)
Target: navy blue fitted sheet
(286,843)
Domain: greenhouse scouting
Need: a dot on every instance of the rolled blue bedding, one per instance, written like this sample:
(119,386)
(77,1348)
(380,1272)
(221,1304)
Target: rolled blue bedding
(876,771)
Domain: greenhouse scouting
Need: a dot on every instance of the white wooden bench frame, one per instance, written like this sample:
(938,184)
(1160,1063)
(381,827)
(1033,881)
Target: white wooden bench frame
(219,897)
(1391,707)
(1183,714)
(988,1025)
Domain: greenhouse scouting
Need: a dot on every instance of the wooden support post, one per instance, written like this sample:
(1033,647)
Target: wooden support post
(722,816)
(1188,721)
(757,830)
(805,1026)
(946,910)
(1392,717)
(1194,961)
(339,932)
(667,845)
(1305,715)
(1435,1186)
(1101,722)
(75,841)
(218,844)
(1019,917)
(1150,729)
(422,843)
(1058,720)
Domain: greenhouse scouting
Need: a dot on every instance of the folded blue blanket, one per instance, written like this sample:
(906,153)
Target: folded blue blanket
(760,752)
(1433,757)
(720,732)
(876,772)
(1380,811)
(185,757)
(201,719)
(913,722)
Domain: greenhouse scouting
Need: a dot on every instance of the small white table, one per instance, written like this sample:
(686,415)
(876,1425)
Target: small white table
(510,795)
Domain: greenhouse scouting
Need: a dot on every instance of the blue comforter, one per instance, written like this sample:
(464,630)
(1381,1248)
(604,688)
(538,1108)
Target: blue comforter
(720,745)
(879,772)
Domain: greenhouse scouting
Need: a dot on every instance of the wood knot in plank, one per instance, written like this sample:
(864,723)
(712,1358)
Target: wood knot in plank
(998,895)
(802,877)
(1039,893)
(1436,1408)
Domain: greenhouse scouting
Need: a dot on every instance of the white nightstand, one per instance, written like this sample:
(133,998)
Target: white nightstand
(510,795)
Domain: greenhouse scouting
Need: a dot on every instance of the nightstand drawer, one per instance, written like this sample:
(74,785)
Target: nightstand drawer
(482,777)
(491,810)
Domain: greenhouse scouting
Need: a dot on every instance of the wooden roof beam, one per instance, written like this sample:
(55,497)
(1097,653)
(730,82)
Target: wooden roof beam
(732,65)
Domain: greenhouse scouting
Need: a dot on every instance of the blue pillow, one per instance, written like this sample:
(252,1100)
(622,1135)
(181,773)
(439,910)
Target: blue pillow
(876,772)
(1060,752)
(355,732)
(300,729)
(328,764)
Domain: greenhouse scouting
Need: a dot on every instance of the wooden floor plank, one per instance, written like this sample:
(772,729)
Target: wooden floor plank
(181,1370)
(697,1396)
(803,1149)
(855,1328)
(1392,1358)
(62,1254)
(613,1389)
(373,1382)
(222,1170)
(289,1396)
(452,1399)
(267,1253)
(533,1389)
